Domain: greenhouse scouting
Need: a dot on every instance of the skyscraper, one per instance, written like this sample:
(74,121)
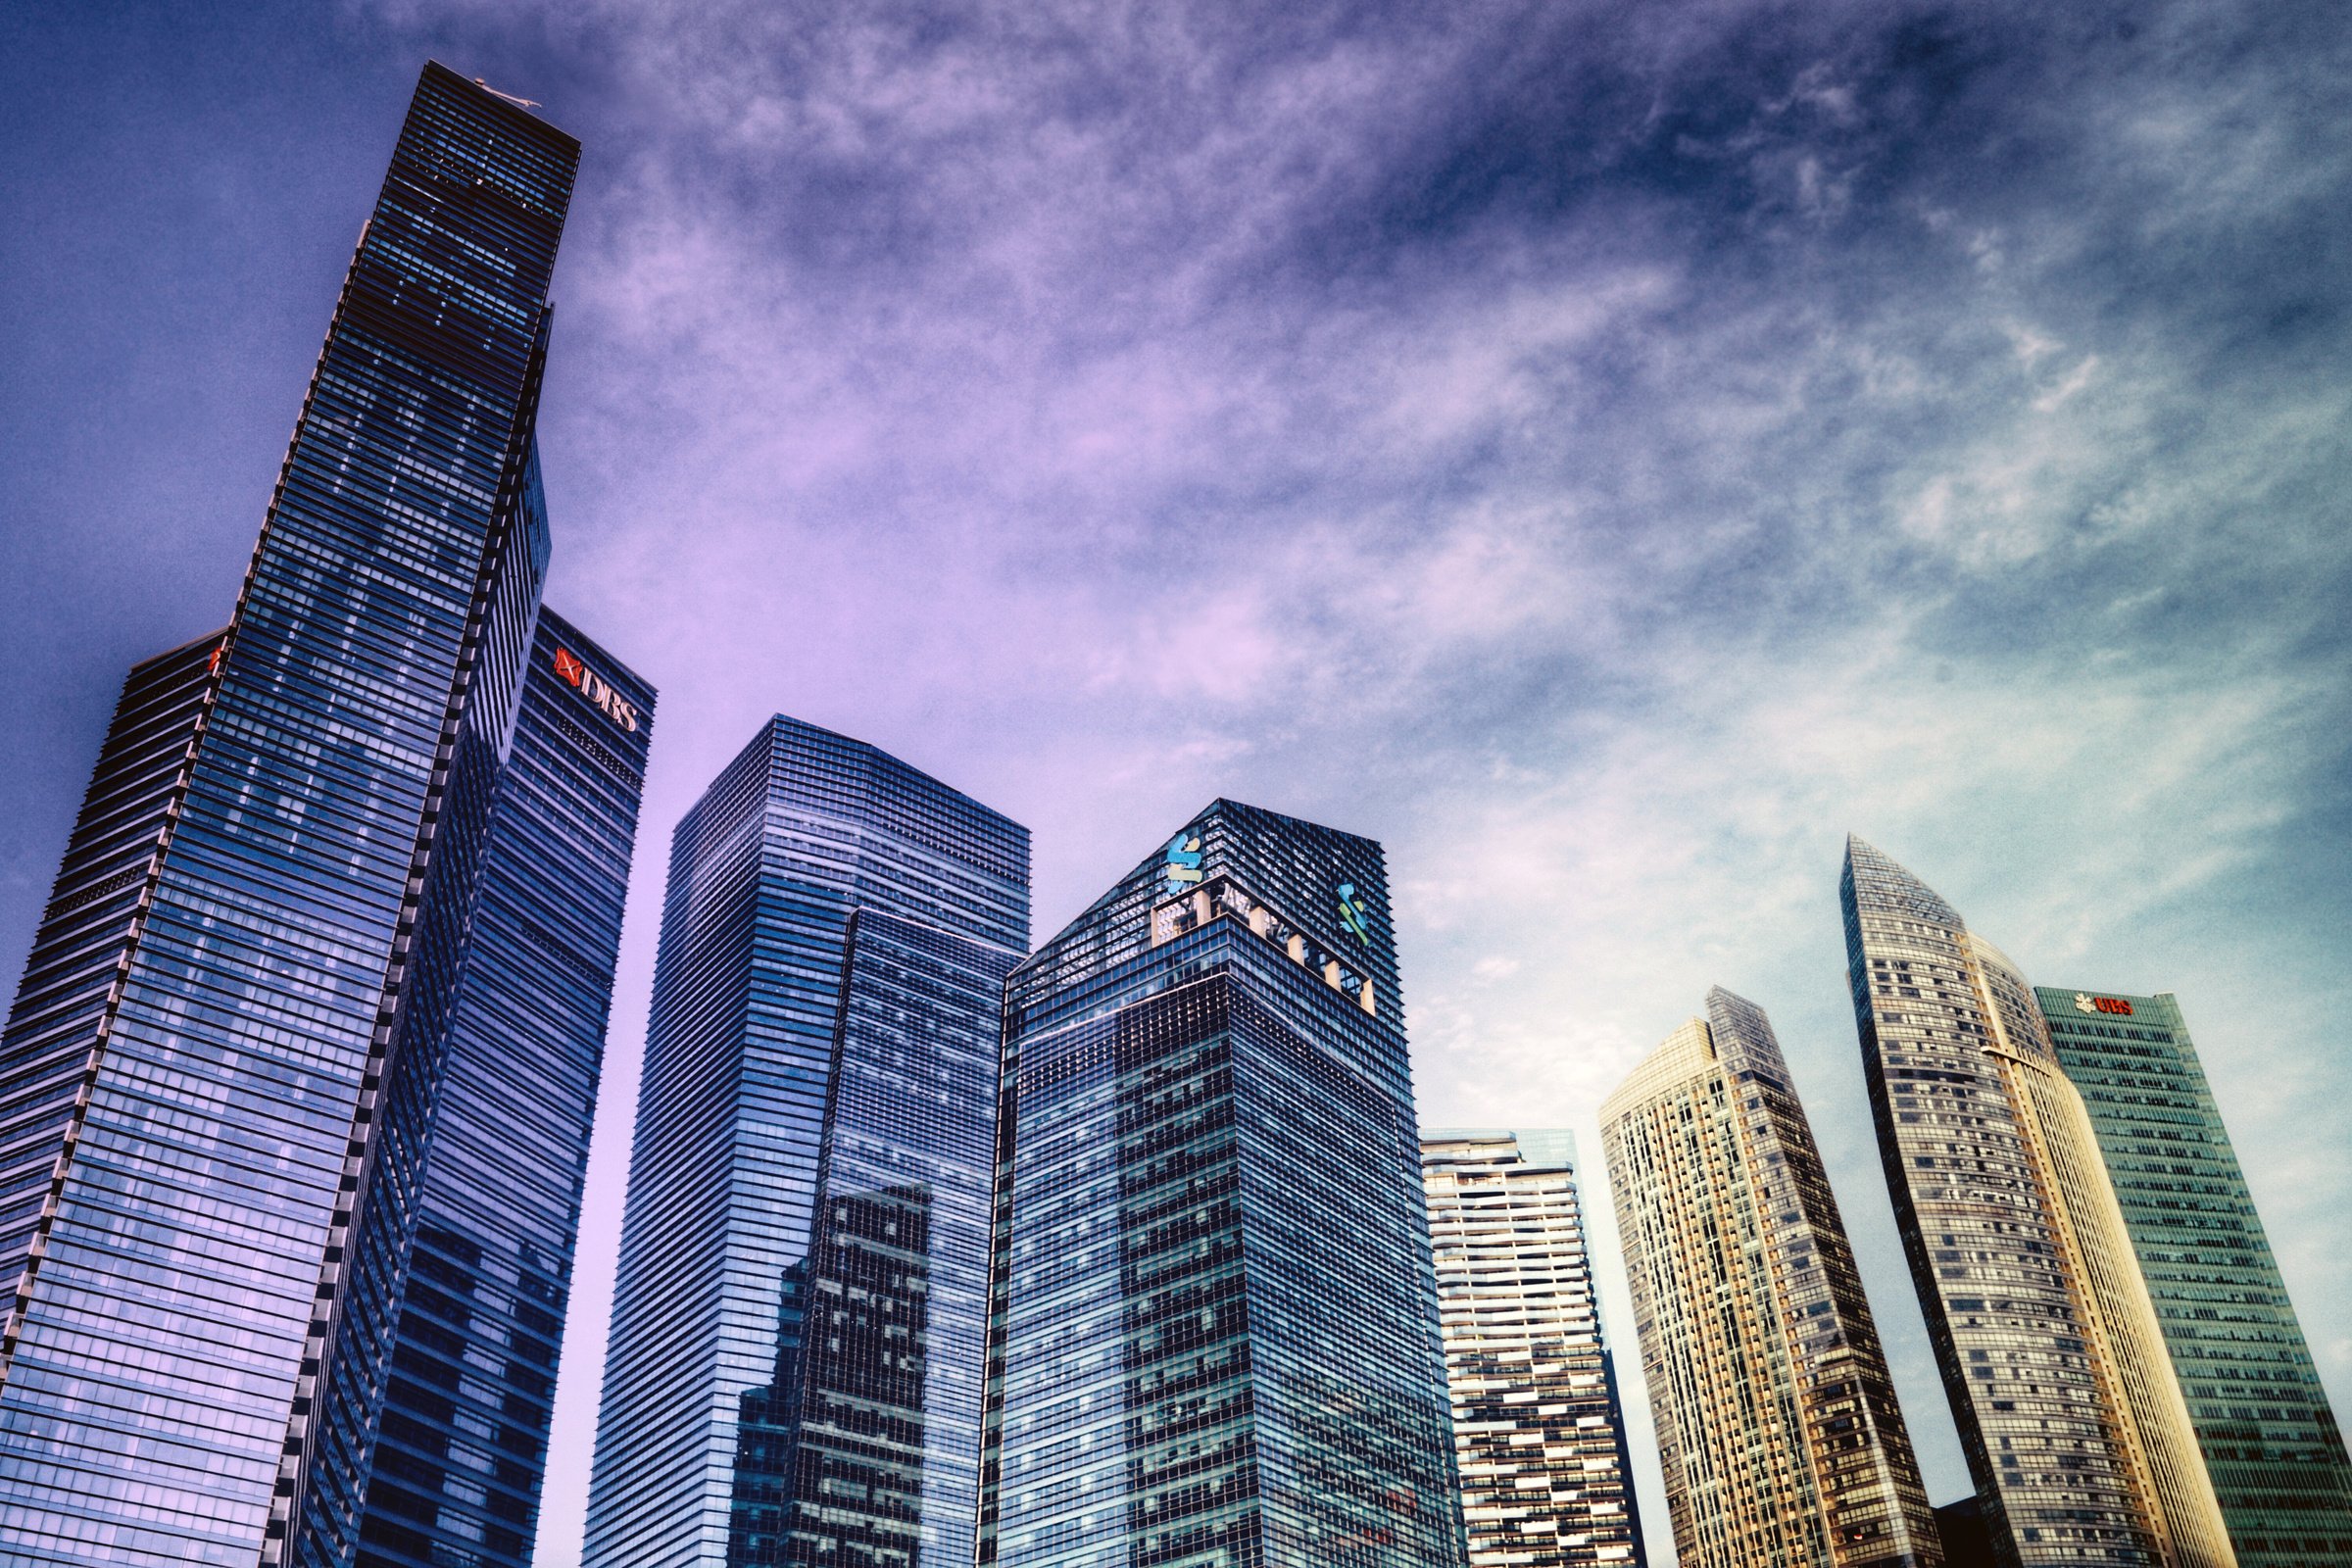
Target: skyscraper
(1212,1315)
(2271,1441)
(2069,1416)
(1778,1434)
(457,1467)
(221,1076)
(1538,1434)
(794,1371)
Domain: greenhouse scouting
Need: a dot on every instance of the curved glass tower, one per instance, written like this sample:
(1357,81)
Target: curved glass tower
(1778,1434)
(2072,1423)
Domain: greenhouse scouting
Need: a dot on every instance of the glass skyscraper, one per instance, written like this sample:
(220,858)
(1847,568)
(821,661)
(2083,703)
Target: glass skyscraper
(2271,1440)
(1213,1335)
(2072,1423)
(794,1364)
(1538,1433)
(254,990)
(480,1307)
(1778,1434)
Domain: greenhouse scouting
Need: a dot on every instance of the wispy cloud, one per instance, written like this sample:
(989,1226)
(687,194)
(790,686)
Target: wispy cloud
(1605,452)
(1606,455)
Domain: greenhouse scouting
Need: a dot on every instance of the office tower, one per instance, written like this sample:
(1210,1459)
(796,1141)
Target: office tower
(219,1074)
(2271,1441)
(794,1361)
(481,1313)
(1213,1317)
(1537,1435)
(1778,1429)
(2072,1423)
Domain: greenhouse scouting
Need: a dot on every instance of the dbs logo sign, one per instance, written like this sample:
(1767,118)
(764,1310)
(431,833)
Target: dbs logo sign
(2084,1002)
(572,673)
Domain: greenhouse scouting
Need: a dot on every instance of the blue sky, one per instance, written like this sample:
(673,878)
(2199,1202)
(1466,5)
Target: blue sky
(1605,453)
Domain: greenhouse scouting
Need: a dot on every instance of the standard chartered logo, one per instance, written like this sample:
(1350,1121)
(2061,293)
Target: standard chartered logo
(1183,868)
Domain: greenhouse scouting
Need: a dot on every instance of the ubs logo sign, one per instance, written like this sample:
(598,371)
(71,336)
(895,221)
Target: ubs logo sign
(572,673)
(2084,1002)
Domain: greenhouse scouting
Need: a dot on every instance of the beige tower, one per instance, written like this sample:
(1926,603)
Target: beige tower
(1778,1428)
(2072,1422)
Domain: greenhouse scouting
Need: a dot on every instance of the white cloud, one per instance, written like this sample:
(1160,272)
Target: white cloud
(1609,459)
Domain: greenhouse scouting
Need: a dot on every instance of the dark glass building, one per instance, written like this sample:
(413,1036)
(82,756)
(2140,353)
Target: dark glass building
(1213,1335)
(2073,1425)
(1778,1434)
(220,1083)
(1538,1433)
(794,1372)
(1967,1544)
(2271,1440)
(480,1308)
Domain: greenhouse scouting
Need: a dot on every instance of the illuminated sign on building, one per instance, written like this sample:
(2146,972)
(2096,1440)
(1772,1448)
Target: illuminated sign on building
(2084,1002)
(575,673)
(1183,870)
(1353,915)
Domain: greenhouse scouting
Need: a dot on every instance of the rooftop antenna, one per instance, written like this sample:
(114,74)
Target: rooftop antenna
(520,103)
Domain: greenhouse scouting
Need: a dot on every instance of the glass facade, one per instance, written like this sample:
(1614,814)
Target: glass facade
(68,990)
(1778,1434)
(794,1372)
(1538,1434)
(480,1306)
(2074,1426)
(237,1019)
(2269,1438)
(1212,1335)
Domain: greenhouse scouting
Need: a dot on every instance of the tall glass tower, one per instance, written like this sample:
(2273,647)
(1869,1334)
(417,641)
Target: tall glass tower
(794,1372)
(1779,1433)
(2072,1423)
(1538,1433)
(2271,1440)
(220,1084)
(1213,1332)
(480,1308)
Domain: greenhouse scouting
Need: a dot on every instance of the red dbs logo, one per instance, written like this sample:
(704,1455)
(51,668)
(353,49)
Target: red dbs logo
(574,672)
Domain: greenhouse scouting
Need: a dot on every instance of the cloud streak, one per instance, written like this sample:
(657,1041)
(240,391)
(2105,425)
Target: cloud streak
(1605,453)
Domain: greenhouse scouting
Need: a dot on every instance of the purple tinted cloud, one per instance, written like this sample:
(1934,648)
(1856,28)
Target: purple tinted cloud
(1606,454)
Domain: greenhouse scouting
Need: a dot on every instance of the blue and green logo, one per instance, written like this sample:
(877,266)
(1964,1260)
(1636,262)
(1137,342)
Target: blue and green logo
(1183,870)
(1353,915)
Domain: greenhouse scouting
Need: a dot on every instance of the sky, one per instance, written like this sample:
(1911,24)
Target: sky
(1606,453)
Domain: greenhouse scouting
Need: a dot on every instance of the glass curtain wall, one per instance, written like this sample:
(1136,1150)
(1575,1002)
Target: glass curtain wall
(2271,1440)
(194,1360)
(1214,1318)
(794,1372)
